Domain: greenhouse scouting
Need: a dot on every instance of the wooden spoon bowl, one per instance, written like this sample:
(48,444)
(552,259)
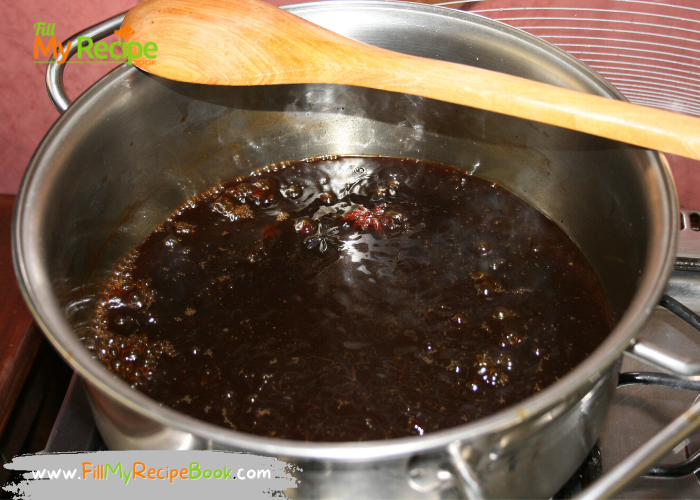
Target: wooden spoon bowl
(250,42)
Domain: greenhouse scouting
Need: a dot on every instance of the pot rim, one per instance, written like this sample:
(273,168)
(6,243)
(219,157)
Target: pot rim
(556,398)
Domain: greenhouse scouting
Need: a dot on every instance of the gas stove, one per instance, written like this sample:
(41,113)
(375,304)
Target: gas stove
(620,39)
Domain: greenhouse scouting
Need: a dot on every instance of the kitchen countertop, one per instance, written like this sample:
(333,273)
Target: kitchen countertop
(19,336)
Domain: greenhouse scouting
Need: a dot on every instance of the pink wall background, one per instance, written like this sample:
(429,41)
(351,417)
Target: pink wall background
(26,112)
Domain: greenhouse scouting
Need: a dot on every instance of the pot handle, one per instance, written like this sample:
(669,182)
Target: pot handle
(54,72)
(661,358)
(654,450)
(614,481)
(467,484)
(610,484)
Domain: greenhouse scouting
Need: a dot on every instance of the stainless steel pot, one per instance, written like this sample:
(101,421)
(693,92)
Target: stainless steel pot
(134,147)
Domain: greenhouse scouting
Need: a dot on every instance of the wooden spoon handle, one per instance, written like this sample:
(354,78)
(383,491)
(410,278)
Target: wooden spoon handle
(250,42)
(630,123)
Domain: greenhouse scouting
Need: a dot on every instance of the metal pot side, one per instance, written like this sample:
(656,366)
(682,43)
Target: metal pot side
(134,147)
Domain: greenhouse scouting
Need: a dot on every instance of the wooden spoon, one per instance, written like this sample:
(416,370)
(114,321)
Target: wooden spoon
(250,42)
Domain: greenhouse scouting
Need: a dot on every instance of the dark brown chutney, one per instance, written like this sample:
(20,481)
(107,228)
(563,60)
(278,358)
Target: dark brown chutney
(350,299)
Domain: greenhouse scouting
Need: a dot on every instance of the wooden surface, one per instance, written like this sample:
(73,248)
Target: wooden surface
(250,42)
(19,336)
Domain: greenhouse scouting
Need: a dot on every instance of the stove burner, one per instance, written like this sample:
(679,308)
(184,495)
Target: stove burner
(590,470)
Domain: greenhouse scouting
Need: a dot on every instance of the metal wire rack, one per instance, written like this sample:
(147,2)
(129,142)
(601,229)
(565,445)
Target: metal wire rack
(648,49)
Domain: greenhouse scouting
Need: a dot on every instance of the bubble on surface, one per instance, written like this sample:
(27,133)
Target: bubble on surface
(497,265)
(501,313)
(459,319)
(293,192)
(233,212)
(304,226)
(483,248)
(328,198)
(257,252)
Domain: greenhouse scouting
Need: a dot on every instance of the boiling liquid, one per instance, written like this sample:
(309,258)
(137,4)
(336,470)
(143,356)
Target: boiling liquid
(350,299)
